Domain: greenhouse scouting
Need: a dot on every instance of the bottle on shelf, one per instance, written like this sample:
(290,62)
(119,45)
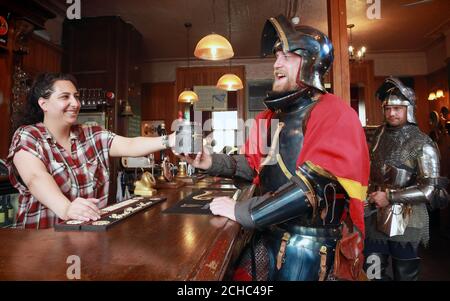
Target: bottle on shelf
(10,209)
(3,212)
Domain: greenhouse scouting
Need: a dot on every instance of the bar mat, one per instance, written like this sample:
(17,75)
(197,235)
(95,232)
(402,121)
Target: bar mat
(111,215)
(198,202)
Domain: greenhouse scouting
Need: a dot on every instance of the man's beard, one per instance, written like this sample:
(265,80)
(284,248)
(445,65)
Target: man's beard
(285,87)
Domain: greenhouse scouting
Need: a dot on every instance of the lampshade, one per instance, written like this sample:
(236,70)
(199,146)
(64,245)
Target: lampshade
(439,93)
(229,82)
(213,47)
(432,96)
(188,96)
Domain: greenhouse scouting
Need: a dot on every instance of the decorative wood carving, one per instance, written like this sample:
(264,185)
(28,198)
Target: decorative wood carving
(23,30)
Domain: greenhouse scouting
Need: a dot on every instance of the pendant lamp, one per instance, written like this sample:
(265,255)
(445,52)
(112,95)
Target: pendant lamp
(229,81)
(188,96)
(213,47)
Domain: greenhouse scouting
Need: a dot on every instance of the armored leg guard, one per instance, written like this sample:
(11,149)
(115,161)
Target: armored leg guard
(406,269)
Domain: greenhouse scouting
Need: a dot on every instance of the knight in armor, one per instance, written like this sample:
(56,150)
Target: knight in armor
(314,176)
(404,171)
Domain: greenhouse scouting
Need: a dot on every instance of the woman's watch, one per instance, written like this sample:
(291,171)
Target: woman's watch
(165,141)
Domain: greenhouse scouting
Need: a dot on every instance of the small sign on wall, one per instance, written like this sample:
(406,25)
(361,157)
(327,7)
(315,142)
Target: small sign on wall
(4,27)
(210,98)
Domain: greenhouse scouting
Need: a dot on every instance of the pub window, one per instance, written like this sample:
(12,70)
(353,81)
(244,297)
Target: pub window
(224,127)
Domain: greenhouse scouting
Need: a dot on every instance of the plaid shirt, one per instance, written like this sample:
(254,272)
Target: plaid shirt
(83,173)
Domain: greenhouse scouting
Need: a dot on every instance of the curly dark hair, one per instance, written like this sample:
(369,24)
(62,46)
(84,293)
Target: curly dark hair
(41,87)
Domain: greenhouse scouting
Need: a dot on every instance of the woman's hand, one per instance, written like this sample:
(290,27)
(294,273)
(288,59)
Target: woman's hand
(83,210)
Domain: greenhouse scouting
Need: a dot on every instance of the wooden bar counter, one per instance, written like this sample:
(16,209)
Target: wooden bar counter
(149,245)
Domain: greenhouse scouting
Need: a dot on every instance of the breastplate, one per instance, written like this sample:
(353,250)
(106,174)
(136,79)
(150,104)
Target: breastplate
(290,145)
(332,197)
(394,158)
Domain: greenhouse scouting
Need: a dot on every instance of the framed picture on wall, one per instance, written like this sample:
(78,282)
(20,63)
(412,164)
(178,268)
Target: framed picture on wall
(210,98)
(149,128)
(257,91)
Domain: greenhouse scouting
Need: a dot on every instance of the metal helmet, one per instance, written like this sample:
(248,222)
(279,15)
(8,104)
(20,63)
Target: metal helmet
(312,45)
(394,93)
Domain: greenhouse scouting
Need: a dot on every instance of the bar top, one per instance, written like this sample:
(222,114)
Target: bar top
(149,245)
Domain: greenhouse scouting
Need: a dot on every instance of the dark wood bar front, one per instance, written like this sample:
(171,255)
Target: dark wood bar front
(149,245)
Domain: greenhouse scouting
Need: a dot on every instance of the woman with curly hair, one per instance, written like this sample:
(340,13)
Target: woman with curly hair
(61,168)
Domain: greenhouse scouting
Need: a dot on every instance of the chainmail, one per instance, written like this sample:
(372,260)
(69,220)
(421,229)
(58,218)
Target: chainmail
(261,257)
(399,147)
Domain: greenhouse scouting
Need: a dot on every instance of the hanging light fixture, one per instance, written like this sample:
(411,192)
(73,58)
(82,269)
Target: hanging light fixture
(188,96)
(213,47)
(229,81)
(360,53)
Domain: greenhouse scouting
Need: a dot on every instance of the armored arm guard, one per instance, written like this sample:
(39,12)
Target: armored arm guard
(430,186)
(297,198)
(231,166)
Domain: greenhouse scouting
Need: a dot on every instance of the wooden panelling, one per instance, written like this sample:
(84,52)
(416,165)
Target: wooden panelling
(159,102)
(43,57)
(422,103)
(90,52)
(362,76)
(5,96)
(438,80)
(208,76)
(377,113)
(5,92)
(337,30)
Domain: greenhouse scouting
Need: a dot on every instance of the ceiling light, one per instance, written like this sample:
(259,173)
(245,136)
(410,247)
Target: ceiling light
(360,53)
(214,47)
(187,96)
(229,82)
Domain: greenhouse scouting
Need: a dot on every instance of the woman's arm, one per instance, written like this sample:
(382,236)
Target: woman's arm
(138,146)
(44,188)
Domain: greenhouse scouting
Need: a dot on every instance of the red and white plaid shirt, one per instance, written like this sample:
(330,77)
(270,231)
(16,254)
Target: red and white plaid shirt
(83,173)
